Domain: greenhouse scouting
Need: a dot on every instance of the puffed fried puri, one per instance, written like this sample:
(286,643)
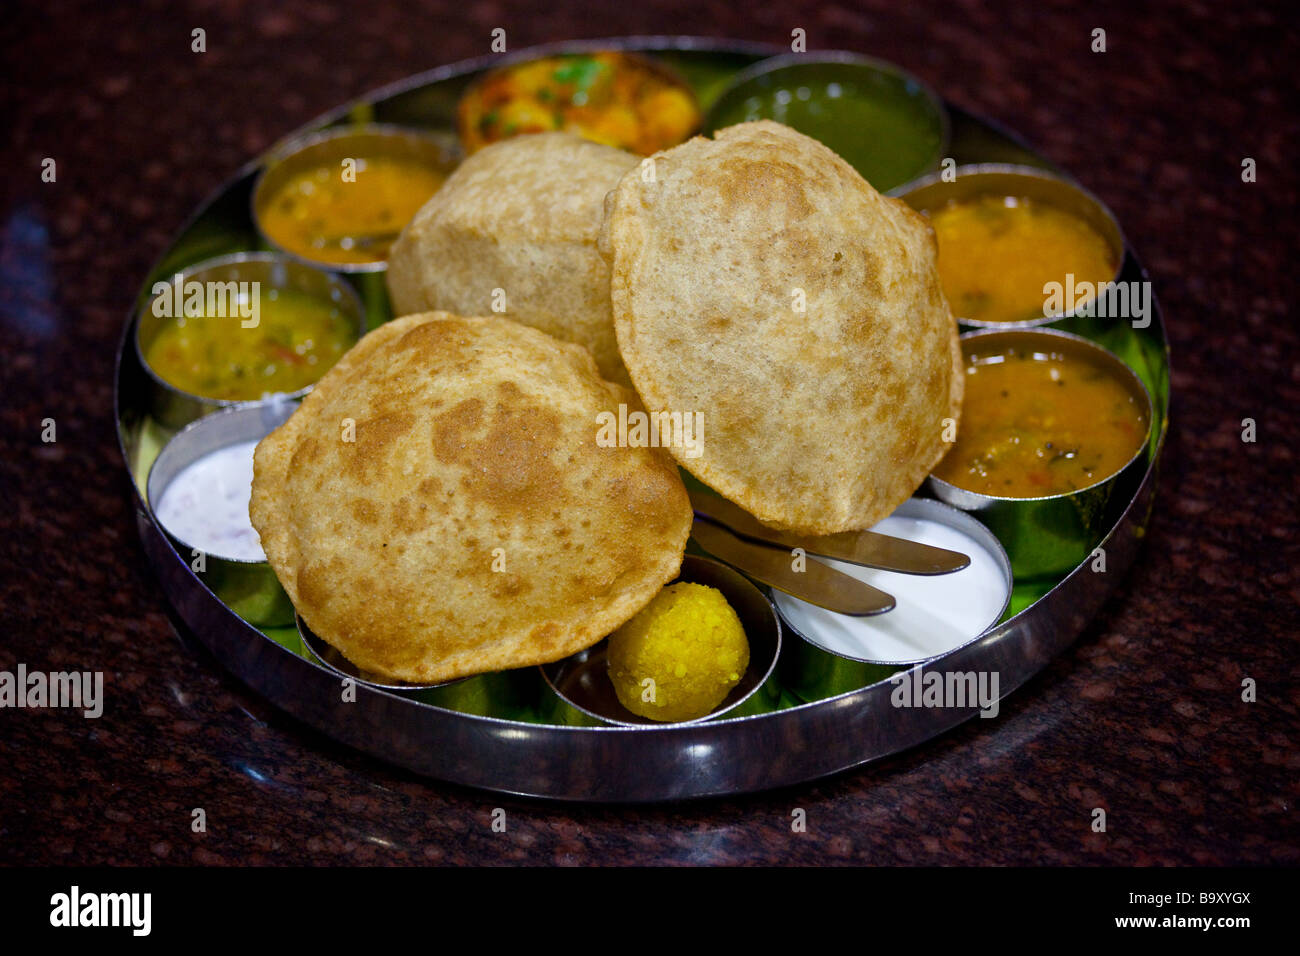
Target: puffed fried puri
(758,279)
(440,505)
(513,232)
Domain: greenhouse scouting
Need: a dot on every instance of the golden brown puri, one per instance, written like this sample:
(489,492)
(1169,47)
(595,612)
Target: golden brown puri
(521,216)
(759,280)
(438,506)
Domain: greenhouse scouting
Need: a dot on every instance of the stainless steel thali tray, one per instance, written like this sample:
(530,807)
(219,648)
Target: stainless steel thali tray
(524,748)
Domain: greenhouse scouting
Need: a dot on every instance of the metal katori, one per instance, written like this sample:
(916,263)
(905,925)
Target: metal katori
(835,654)
(1051,535)
(330,147)
(511,693)
(936,190)
(581,681)
(249,588)
(173,407)
(801,89)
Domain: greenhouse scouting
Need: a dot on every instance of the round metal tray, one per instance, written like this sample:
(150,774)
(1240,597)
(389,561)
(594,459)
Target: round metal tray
(622,764)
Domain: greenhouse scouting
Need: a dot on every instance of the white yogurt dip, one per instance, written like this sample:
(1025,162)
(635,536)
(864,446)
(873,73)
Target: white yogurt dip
(933,614)
(206,504)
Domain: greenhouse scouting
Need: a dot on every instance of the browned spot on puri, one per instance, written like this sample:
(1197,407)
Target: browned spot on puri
(375,435)
(651,497)
(366,512)
(717,323)
(801,245)
(508,466)
(360,630)
(770,183)
(883,391)
(511,586)
(906,443)
(410,516)
(313,586)
(545,636)
(436,343)
(937,383)
(452,430)
(307,451)
(870,277)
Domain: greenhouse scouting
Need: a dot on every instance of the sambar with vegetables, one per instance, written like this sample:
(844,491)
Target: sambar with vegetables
(1041,419)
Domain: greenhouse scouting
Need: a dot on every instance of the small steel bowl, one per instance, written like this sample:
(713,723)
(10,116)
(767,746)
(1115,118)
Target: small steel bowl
(173,407)
(932,192)
(586,695)
(508,695)
(249,588)
(330,147)
(770,87)
(816,666)
(1051,535)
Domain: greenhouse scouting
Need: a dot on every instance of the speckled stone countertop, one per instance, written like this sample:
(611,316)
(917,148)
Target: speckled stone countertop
(1143,716)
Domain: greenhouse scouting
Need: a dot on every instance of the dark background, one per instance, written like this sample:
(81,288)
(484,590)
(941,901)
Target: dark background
(1142,716)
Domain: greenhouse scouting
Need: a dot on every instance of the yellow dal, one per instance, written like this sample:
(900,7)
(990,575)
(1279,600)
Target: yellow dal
(297,339)
(996,253)
(316,211)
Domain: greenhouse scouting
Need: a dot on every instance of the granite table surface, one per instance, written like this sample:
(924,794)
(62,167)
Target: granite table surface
(1143,716)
